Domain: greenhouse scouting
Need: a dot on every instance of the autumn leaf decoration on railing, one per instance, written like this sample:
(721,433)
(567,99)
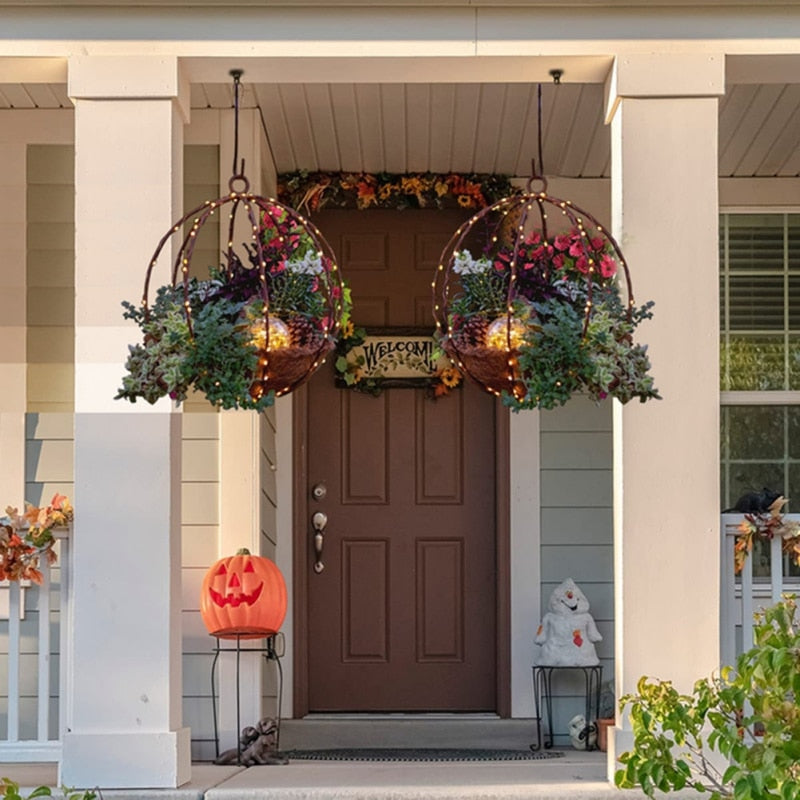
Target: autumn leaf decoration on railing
(767,525)
(27,537)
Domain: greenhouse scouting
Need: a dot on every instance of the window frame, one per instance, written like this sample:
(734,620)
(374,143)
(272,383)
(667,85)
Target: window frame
(757,398)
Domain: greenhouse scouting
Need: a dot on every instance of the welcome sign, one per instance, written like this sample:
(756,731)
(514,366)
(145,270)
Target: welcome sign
(397,357)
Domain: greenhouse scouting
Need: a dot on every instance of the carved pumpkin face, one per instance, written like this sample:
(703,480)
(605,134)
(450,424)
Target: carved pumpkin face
(244,596)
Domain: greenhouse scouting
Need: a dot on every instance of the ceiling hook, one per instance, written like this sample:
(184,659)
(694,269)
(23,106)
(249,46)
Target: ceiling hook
(556,74)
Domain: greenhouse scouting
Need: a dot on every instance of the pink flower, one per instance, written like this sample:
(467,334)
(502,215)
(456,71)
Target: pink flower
(534,237)
(562,242)
(558,261)
(582,265)
(577,248)
(597,243)
(608,267)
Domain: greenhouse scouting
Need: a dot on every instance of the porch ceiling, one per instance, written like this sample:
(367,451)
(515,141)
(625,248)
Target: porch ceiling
(472,127)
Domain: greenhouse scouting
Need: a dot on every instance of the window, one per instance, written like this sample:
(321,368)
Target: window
(760,356)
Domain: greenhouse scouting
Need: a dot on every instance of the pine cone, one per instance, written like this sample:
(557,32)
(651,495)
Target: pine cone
(473,332)
(302,331)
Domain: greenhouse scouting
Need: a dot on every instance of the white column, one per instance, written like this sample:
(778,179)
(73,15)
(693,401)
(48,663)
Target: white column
(124,670)
(663,112)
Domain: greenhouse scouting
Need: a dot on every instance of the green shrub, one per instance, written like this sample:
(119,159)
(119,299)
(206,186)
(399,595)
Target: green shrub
(10,790)
(749,715)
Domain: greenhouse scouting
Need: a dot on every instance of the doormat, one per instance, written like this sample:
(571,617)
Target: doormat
(418,754)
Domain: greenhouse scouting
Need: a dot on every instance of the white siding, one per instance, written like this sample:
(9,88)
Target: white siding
(576,531)
(201,487)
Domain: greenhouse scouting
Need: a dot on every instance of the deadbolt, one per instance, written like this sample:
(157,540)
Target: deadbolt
(319,491)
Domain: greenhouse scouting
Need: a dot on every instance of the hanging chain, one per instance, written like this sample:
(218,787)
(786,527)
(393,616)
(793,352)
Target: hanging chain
(244,184)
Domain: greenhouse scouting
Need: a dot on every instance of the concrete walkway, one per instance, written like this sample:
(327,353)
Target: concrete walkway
(578,776)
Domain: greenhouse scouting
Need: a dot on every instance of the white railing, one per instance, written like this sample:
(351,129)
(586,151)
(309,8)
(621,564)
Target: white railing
(44,747)
(744,594)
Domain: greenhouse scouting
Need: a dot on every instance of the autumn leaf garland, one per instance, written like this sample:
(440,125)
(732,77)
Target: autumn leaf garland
(767,525)
(26,538)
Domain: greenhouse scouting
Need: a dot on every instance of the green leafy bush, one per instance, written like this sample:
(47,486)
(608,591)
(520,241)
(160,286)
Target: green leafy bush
(10,790)
(748,715)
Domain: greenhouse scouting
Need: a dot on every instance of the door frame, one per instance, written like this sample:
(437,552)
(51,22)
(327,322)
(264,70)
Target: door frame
(301,555)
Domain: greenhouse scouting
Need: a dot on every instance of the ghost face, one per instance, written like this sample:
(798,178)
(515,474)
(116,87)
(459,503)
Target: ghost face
(568,599)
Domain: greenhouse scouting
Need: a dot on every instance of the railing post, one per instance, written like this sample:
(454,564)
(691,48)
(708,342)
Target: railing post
(43,658)
(14,636)
(776,569)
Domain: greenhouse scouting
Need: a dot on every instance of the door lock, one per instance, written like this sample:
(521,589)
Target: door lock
(319,491)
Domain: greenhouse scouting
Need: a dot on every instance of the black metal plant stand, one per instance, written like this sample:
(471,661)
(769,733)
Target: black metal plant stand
(270,653)
(542,691)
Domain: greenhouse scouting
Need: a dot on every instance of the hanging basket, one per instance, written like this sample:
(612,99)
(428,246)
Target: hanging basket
(533,300)
(258,326)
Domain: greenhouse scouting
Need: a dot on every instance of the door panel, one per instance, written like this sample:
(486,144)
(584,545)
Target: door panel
(402,618)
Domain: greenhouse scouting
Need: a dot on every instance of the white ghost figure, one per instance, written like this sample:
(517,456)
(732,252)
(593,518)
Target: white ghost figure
(581,736)
(568,632)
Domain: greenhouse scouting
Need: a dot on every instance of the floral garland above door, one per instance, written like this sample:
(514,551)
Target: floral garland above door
(313,191)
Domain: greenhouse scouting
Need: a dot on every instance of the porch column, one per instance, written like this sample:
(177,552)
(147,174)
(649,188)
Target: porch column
(124,671)
(663,115)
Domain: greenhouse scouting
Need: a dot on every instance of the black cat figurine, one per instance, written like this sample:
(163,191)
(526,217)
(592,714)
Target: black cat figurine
(754,502)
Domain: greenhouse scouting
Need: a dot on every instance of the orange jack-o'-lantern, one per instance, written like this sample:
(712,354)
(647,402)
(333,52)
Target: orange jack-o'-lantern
(243,596)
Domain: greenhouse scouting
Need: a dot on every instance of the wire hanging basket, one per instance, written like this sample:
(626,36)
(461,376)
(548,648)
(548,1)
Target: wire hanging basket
(542,305)
(259,325)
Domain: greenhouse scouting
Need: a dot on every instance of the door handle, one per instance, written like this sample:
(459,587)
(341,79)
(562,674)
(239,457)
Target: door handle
(319,520)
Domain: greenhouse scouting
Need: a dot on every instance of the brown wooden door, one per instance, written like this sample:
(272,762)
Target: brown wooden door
(402,618)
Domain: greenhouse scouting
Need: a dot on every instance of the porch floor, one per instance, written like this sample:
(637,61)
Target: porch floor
(576,775)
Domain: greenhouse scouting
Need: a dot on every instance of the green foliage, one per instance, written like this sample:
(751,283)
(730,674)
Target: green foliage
(218,360)
(487,291)
(749,715)
(558,359)
(290,289)
(10,790)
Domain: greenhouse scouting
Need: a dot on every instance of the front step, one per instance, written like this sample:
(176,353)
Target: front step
(407,730)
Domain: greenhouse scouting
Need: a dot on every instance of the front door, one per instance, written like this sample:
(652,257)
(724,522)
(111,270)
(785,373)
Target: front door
(403,615)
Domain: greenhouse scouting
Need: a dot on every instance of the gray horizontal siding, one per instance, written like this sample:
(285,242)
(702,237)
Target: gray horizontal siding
(577,532)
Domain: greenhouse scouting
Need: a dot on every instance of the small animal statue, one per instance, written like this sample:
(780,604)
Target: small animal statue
(756,502)
(582,735)
(256,746)
(568,631)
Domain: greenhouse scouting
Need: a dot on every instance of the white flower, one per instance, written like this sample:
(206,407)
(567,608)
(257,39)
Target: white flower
(309,264)
(465,264)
